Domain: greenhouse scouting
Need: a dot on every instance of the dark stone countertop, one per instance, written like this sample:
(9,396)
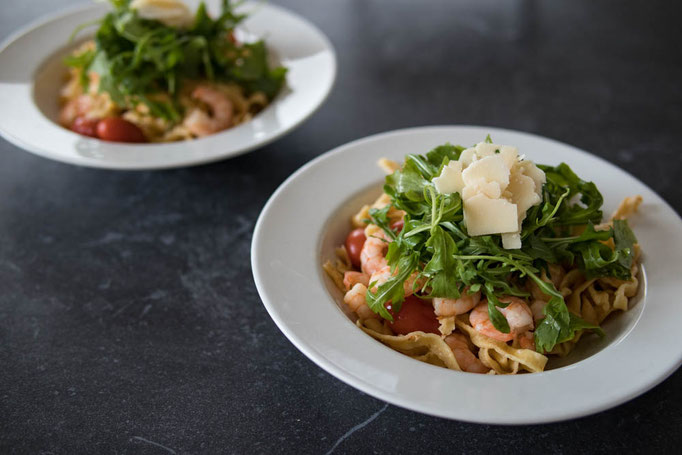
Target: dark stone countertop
(129,321)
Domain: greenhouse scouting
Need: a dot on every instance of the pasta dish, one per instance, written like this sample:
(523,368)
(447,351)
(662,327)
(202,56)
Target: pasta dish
(478,260)
(157,73)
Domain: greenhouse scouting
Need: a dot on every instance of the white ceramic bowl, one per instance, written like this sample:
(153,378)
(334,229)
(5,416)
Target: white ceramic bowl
(309,215)
(32,72)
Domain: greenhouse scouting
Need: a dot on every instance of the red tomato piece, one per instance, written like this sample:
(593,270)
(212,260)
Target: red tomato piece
(116,129)
(354,243)
(85,126)
(414,315)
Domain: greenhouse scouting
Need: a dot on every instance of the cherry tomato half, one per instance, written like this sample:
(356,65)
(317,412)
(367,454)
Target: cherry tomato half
(85,126)
(116,129)
(354,243)
(414,315)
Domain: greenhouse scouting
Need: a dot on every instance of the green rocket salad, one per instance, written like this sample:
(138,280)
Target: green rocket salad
(434,243)
(138,58)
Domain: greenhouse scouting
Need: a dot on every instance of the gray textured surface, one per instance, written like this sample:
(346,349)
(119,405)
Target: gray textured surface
(129,321)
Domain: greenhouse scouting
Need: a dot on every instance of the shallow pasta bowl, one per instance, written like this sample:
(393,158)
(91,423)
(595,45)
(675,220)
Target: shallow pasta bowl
(309,215)
(32,72)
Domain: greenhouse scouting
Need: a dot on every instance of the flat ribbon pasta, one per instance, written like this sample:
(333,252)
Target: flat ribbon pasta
(447,325)
(358,220)
(336,270)
(594,300)
(501,356)
(426,347)
(591,299)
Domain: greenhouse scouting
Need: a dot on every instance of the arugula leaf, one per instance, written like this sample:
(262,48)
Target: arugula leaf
(537,248)
(553,327)
(625,242)
(442,262)
(79,60)
(576,324)
(496,317)
(408,182)
(435,244)
(562,177)
(594,257)
(441,155)
(139,59)
(392,290)
(587,235)
(203,24)
(380,218)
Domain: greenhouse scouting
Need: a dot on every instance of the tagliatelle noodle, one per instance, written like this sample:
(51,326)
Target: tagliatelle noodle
(593,300)
(503,354)
(336,270)
(426,347)
(447,325)
(377,326)
(358,220)
(627,207)
(388,166)
(431,348)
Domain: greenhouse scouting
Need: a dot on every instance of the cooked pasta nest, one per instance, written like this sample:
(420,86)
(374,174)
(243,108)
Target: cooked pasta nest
(97,104)
(594,300)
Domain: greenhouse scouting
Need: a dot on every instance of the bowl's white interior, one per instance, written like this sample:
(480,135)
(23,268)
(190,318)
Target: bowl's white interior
(49,80)
(616,326)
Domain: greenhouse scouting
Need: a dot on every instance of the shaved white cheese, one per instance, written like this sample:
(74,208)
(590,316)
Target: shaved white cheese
(490,169)
(489,189)
(172,13)
(450,179)
(484,149)
(467,157)
(522,189)
(510,155)
(538,175)
(485,216)
(511,241)
(497,188)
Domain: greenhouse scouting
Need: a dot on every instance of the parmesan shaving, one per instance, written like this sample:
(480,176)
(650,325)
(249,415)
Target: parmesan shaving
(172,13)
(497,189)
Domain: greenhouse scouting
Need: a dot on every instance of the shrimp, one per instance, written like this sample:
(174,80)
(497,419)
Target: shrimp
(199,122)
(527,341)
(355,299)
(372,255)
(351,278)
(465,358)
(76,107)
(452,307)
(537,307)
(480,320)
(382,275)
(517,313)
